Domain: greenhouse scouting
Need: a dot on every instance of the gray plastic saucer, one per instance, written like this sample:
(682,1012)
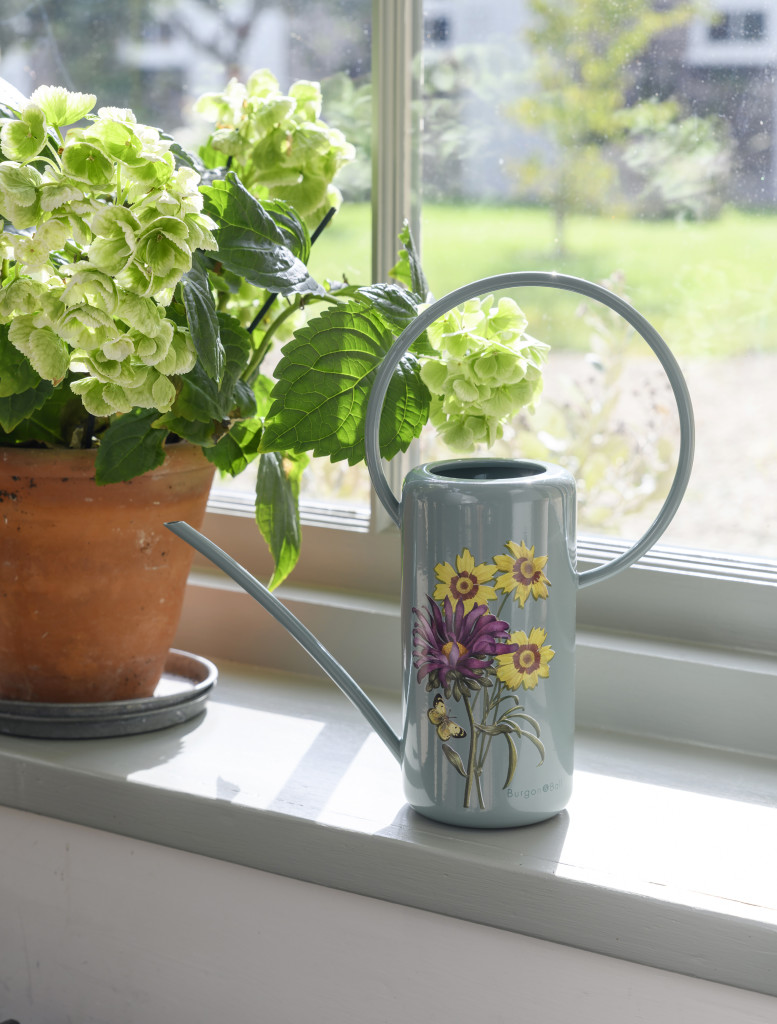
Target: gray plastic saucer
(181,693)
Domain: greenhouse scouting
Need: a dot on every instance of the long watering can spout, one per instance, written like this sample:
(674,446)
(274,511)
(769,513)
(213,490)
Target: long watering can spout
(290,622)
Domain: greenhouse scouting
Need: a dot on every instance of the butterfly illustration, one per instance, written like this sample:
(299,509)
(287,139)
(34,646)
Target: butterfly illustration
(446,728)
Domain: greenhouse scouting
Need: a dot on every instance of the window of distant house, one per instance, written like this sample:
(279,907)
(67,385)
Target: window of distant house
(739,26)
(437,30)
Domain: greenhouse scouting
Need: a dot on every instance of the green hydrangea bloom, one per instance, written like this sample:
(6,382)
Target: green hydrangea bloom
(90,287)
(20,194)
(99,237)
(60,106)
(181,355)
(46,351)
(23,139)
(486,370)
(280,148)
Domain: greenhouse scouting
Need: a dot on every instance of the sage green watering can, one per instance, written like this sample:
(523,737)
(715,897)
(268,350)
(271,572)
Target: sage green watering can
(489,585)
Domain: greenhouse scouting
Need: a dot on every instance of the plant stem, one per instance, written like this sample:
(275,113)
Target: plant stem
(274,295)
(47,160)
(252,370)
(88,434)
(262,312)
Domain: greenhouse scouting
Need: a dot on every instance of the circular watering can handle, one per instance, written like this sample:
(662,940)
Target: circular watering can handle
(563,282)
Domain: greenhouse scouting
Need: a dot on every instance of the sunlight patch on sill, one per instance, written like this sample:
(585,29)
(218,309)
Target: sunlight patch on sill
(357,802)
(638,817)
(212,767)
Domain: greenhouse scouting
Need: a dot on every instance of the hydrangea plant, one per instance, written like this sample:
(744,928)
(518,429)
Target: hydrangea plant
(142,287)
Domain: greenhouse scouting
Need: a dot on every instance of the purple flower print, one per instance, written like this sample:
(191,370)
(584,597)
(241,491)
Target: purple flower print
(453,649)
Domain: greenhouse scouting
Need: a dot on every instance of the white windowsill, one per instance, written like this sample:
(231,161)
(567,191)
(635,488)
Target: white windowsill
(665,855)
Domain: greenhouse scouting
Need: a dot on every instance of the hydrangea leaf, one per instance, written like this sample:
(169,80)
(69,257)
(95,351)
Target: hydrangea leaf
(130,446)
(238,448)
(397,307)
(46,351)
(407,269)
(53,423)
(202,399)
(184,157)
(202,317)
(60,106)
(251,244)
(16,372)
(234,396)
(324,380)
(16,408)
(277,509)
(295,234)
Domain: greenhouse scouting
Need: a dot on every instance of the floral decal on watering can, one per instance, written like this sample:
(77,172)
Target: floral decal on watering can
(467,651)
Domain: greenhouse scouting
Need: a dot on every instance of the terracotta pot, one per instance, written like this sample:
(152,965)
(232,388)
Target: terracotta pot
(91,582)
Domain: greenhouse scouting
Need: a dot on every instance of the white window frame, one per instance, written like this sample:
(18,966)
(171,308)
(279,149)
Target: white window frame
(718,610)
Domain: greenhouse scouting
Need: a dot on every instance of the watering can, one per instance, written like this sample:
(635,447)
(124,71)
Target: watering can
(489,584)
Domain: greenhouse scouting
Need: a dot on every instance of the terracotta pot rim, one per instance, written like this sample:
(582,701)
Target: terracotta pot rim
(79,462)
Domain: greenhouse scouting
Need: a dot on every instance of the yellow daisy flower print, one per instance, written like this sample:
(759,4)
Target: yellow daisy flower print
(528,662)
(466,583)
(522,573)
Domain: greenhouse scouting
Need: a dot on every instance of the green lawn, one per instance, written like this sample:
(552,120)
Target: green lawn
(709,288)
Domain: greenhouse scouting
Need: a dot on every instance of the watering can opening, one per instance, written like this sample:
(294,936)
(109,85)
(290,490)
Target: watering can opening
(487,469)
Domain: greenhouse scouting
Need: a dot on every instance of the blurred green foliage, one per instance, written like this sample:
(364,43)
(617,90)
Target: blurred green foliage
(705,285)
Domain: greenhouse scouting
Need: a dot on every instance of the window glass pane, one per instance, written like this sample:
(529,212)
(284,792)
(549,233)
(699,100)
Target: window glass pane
(159,57)
(626,145)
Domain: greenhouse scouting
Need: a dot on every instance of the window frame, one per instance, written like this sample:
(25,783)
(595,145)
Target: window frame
(673,594)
